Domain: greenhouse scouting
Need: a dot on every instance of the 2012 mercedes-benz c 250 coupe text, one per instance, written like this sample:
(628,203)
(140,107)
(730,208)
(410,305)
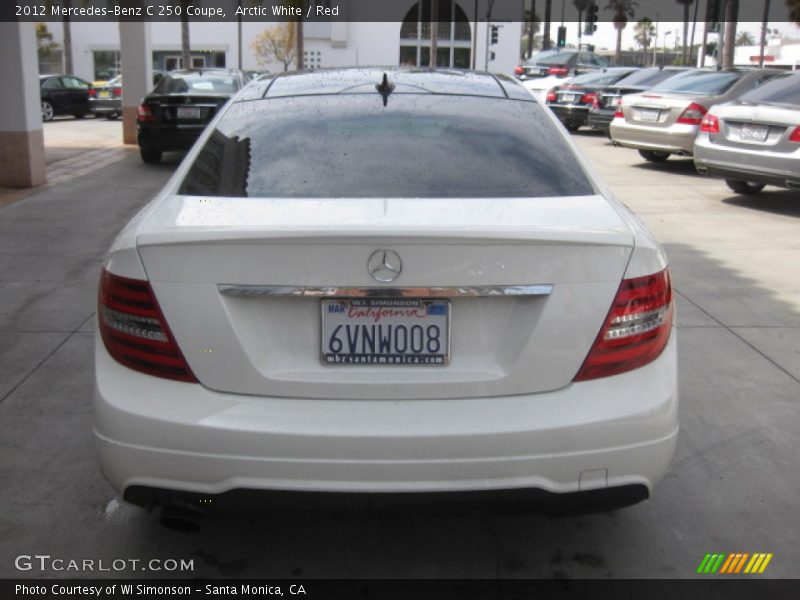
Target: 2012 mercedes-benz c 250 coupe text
(385,281)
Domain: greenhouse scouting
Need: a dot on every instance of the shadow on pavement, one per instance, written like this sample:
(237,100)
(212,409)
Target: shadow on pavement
(771,200)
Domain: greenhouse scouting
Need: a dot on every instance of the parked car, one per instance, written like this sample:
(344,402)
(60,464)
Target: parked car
(665,120)
(572,101)
(175,113)
(64,95)
(107,99)
(602,112)
(755,140)
(550,69)
(292,313)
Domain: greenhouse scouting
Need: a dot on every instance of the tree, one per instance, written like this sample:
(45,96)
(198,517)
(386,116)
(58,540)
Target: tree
(686,4)
(731,15)
(623,10)
(644,32)
(186,50)
(44,41)
(743,38)
(276,44)
(548,5)
(530,29)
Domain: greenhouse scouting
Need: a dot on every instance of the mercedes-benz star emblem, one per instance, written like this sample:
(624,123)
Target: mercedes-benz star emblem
(384,265)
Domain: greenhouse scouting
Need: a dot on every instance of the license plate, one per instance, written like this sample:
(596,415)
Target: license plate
(185,112)
(755,133)
(385,331)
(569,98)
(648,115)
(104,95)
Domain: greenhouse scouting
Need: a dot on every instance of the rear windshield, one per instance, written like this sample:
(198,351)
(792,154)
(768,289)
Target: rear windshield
(783,90)
(203,82)
(649,77)
(417,146)
(701,83)
(559,58)
(599,78)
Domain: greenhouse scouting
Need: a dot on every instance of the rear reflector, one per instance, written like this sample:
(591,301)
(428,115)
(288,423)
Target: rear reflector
(636,329)
(795,135)
(692,114)
(710,124)
(551,96)
(558,71)
(134,330)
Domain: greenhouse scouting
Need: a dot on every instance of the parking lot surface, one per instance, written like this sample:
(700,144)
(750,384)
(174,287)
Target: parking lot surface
(734,486)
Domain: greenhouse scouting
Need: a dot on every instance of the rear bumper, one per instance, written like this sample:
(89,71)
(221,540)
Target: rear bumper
(106,106)
(600,120)
(570,114)
(168,138)
(607,433)
(771,168)
(675,139)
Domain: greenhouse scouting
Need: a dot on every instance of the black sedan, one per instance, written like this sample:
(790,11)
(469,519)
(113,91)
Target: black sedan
(602,113)
(572,101)
(177,111)
(64,95)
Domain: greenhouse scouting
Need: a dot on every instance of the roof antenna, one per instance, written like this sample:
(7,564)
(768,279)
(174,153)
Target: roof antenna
(385,88)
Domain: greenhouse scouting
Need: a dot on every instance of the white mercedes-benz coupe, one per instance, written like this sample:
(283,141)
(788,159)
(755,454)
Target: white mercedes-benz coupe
(378,282)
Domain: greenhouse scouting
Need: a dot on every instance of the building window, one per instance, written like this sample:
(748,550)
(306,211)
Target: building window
(454,39)
(107,64)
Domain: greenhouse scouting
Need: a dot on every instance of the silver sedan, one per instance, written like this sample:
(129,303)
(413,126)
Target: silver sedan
(665,120)
(755,140)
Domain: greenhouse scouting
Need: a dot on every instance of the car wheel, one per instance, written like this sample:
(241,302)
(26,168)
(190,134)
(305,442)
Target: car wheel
(150,155)
(654,155)
(572,127)
(47,111)
(112,116)
(79,115)
(747,188)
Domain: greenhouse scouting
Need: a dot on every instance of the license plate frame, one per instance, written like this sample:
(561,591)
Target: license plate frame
(748,131)
(569,98)
(104,94)
(648,115)
(371,313)
(189,113)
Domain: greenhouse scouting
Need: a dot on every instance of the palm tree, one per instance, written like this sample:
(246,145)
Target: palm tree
(548,5)
(186,51)
(623,10)
(731,14)
(644,32)
(744,38)
(686,4)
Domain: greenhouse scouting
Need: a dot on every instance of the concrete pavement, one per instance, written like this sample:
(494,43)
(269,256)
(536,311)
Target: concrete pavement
(735,486)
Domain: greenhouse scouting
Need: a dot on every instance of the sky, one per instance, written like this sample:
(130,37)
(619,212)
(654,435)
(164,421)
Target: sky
(606,35)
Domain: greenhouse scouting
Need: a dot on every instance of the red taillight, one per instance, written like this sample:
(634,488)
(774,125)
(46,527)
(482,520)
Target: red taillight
(518,70)
(795,135)
(710,124)
(134,330)
(117,91)
(551,96)
(692,114)
(590,98)
(618,114)
(92,92)
(145,114)
(558,71)
(636,329)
